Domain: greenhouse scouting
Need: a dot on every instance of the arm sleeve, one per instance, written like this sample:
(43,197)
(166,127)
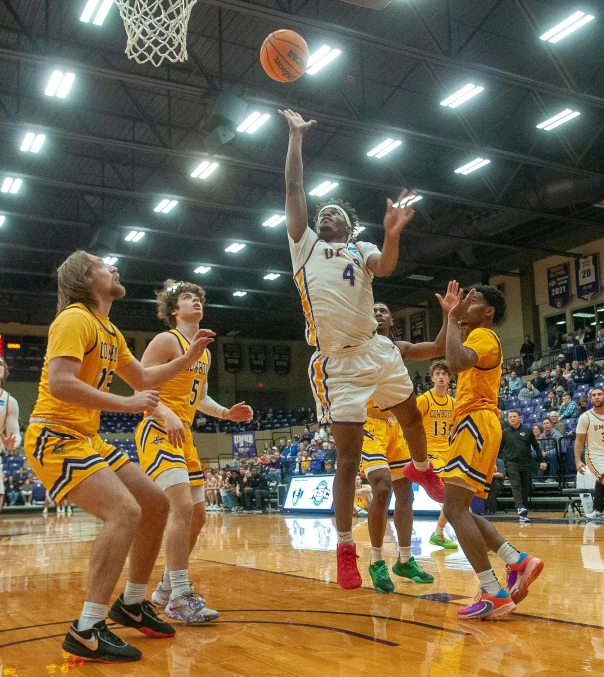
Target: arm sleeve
(208,406)
(72,334)
(486,347)
(124,356)
(583,424)
(300,250)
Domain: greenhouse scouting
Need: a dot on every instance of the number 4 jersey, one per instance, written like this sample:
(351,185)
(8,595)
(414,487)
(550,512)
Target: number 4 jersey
(81,333)
(335,286)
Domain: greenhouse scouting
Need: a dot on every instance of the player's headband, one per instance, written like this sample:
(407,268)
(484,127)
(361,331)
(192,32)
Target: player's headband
(339,210)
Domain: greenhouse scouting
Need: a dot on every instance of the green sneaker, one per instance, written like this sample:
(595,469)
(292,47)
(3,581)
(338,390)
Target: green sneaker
(443,542)
(413,571)
(380,578)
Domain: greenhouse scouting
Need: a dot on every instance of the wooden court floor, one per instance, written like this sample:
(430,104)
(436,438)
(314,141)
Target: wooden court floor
(272,578)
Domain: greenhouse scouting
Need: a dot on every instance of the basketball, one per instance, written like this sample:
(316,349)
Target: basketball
(284,55)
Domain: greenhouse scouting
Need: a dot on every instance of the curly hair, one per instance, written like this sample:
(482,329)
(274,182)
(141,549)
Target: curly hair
(167,299)
(347,207)
(439,365)
(493,298)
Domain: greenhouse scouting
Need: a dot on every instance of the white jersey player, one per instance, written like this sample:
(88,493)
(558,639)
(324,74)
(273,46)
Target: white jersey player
(10,435)
(590,432)
(352,364)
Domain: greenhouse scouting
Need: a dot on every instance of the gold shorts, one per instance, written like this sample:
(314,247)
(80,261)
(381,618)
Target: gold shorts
(62,457)
(157,454)
(384,447)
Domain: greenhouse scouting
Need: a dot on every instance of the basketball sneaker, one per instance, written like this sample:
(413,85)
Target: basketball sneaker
(161,595)
(442,542)
(521,575)
(99,644)
(190,608)
(429,480)
(348,577)
(141,617)
(522,511)
(412,571)
(595,515)
(487,606)
(379,576)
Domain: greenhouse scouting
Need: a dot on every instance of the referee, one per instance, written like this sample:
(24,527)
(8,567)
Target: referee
(517,443)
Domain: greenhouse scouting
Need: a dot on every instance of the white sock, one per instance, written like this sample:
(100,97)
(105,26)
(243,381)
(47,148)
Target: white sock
(404,553)
(489,581)
(91,613)
(134,593)
(165,581)
(421,465)
(179,581)
(376,554)
(439,531)
(345,537)
(509,554)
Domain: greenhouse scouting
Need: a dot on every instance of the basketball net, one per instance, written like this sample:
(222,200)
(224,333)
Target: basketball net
(156,29)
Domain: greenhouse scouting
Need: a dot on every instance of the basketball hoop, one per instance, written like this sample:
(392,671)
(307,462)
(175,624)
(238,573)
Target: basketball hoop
(156,29)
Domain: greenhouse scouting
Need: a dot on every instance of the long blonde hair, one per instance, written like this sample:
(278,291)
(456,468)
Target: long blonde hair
(73,280)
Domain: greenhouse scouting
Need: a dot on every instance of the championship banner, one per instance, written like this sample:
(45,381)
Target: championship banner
(588,277)
(417,326)
(232,357)
(244,443)
(281,357)
(257,359)
(558,285)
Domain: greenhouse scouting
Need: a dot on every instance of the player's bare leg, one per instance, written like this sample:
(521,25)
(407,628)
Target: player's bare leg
(349,441)
(198,520)
(381,488)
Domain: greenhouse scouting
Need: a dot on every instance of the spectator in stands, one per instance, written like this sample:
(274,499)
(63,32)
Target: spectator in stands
(517,445)
(518,367)
(248,487)
(329,467)
(599,343)
(582,405)
(27,490)
(504,389)
(273,470)
(556,422)
(235,463)
(294,447)
(538,380)
(233,490)
(551,401)
(558,379)
(568,370)
(549,443)
(528,393)
(593,367)
(561,361)
(496,487)
(262,492)
(580,335)
(516,384)
(584,375)
(316,464)
(537,430)
(527,352)
(330,454)
(568,408)
(307,435)
(11,490)
(547,378)
(570,385)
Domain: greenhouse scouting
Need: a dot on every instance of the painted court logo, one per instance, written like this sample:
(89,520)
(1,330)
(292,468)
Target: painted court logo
(321,493)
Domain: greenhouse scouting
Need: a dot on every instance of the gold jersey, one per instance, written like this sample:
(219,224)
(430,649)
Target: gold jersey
(372,410)
(478,387)
(437,417)
(80,332)
(183,392)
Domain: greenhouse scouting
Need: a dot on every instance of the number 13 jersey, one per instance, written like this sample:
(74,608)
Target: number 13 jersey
(335,287)
(80,332)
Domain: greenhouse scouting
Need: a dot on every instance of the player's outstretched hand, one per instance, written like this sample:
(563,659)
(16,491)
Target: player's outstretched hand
(398,217)
(462,305)
(200,342)
(240,413)
(146,400)
(296,122)
(451,297)
(9,441)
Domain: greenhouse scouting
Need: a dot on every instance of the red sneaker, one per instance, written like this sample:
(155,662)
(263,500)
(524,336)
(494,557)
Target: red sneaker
(348,572)
(429,480)
(521,575)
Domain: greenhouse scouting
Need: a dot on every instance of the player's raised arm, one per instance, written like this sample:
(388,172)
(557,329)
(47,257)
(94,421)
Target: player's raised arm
(12,435)
(295,199)
(459,357)
(396,218)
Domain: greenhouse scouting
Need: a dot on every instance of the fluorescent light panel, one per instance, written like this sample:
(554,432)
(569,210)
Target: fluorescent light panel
(166,206)
(321,58)
(359,229)
(135,236)
(253,122)
(88,12)
(239,293)
(10,185)
(275,220)
(384,148)
(202,270)
(462,96)
(32,142)
(559,119)
(2,219)
(59,84)
(566,27)
(324,188)
(234,248)
(472,166)
(204,169)
(272,276)
(110,260)
(405,202)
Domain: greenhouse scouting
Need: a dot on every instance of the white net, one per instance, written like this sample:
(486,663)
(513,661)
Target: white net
(156,29)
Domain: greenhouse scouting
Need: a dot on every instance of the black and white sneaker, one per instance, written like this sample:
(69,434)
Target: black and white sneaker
(141,617)
(522,511)
(99,644)
(524,519)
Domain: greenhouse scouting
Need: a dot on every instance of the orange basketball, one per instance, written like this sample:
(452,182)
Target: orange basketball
(284,55)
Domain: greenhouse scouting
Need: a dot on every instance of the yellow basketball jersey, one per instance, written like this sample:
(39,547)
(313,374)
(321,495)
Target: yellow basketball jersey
(437,417)
(183,392)
(478,387)
(82,333)
(372,410)
(359,499)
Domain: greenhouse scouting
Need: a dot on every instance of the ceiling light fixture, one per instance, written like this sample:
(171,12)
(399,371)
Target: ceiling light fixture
(275,220)
(272,276)
(204,169)
(239,293)
(166,206)
(135,236)
(59,84)
(472,166)
(324,188)
(321,58)
(566,27)
(32,142)
(384,148)
(202,270)
(110,260)
(358,229)
(234,248)
(91,5)
(10,185)
(253,122)
(2,219)
(462,96)
(559,119)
